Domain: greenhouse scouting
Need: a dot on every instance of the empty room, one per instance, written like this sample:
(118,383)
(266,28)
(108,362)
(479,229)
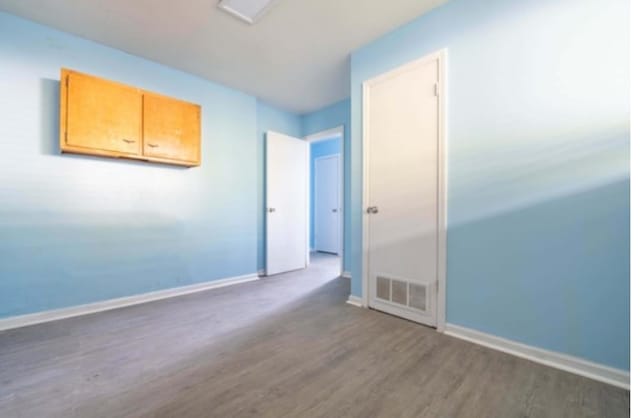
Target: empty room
(318,208)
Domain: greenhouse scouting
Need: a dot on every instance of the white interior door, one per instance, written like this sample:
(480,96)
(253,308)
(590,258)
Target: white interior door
(327,204)
(287,203)
(401,190)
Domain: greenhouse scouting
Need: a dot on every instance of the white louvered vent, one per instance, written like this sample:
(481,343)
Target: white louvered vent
(401,292)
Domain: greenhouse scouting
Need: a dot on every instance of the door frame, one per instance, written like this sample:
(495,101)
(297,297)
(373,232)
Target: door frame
(441,269)
(323,136)
(315,200)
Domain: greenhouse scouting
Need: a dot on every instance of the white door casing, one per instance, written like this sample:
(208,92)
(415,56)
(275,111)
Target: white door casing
(327,204)
(404,225)
(287,203)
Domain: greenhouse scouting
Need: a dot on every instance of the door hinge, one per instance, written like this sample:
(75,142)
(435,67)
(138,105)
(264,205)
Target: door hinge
(436,90)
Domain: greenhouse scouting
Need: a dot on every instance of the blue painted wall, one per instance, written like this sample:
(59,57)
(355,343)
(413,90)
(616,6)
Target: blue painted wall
(76,229)
(538,160)
(270,119)
(330,117)
(319,149)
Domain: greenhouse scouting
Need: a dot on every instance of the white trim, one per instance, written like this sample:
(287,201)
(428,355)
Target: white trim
(365,195)
(106,305)
(355,301)
(441,57)
(261,273)
(308,205)
(576,365)
(443,143)
(346,274)
(325,135)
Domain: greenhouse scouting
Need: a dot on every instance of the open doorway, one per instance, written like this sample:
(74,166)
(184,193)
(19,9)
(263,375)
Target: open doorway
(304,216)
(326,194)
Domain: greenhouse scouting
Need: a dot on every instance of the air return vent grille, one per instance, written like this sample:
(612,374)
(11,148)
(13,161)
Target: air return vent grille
(402,292)
(418,296)
(399,292)
(383,288)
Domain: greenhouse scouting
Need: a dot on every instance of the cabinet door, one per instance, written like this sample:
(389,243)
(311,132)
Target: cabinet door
(171,129)
(102,115)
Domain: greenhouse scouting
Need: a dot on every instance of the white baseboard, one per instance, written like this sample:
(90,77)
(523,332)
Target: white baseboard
(606,374)
(346,274)
(78,310)
(355,301)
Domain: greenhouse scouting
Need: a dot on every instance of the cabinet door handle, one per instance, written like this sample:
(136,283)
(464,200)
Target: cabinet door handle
(153,145)
(128,141)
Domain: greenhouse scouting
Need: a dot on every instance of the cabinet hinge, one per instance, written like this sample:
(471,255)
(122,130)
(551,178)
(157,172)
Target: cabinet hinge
(436,90)
(65,136)
(437,285)
(66,81)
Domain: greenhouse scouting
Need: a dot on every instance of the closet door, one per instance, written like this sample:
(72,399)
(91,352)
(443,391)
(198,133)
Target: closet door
(171,129)
(401,191)
(327,204)
(100,116)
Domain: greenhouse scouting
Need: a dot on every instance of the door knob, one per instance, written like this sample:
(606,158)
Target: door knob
(271,210)
(372,209)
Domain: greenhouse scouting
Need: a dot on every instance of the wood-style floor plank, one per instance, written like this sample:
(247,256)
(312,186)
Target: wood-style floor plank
(286,346)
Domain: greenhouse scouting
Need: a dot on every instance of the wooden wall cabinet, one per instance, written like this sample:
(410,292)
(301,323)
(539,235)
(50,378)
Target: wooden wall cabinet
(105,118)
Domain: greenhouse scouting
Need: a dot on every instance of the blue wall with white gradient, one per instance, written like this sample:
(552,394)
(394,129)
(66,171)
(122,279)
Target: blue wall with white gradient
(538,160)
(538,163)
(78,229)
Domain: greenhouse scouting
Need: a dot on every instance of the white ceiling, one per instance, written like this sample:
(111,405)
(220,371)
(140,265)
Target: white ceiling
(296,56)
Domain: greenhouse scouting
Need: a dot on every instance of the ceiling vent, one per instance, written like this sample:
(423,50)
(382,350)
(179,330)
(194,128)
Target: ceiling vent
(248,11)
